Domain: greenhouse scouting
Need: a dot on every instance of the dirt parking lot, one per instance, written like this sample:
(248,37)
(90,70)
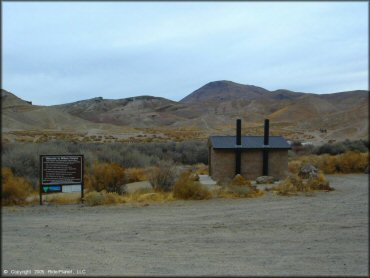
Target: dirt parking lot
(325,234)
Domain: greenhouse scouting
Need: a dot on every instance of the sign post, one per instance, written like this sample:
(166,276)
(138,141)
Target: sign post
(60,171)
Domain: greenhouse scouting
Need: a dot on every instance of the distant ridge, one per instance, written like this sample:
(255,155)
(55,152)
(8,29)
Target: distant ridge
(211,109)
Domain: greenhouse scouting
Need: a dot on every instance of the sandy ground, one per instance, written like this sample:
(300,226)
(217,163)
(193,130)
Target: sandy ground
(325,234)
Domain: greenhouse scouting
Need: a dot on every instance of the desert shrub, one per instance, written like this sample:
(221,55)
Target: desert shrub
(331,149)
(15,190)
(23,158)
(63,198)
(319,183)
(148,195)
(240,191)
(294,166)
(357,145)
(162,178)
(348,162)
(23,162)
(186,188)
(342,147)
(192,152)
(136,174)
(290,186)
(88,183)
(328,164)
(240,180)
(102,198)
(352,162)
(201,169)
(239,187)
(105,176)
(286,188)
(294,184)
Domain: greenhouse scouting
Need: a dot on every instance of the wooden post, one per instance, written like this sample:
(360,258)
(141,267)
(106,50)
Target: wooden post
(40,180)
(82,179)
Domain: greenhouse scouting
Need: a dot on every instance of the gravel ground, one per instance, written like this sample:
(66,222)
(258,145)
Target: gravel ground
(324,234)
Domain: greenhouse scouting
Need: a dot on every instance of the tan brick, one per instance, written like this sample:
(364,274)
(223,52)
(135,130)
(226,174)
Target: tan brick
(222,164)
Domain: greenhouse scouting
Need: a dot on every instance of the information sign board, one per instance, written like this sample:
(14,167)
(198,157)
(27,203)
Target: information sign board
(59,171)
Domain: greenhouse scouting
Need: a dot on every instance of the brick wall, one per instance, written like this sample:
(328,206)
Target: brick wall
(251,164)
(222,164)
(278,163)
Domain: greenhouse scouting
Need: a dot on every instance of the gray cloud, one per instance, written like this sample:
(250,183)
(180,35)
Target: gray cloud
(62,52)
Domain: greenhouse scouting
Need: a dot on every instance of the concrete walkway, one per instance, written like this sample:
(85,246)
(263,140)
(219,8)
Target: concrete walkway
(207,181)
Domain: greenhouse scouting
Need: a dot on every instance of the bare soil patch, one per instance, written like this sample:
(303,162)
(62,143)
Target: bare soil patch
(324,234)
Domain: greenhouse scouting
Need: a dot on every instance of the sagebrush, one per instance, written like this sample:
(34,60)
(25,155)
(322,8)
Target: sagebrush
(162,177)
(239,187)
(186,188)
(15,190)
(348,162)
(294,184)
(106,176)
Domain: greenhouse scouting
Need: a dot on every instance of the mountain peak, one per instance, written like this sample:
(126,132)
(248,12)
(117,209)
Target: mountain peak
(224,90)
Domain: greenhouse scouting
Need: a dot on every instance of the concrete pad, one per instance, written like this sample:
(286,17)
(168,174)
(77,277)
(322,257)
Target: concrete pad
(206,180)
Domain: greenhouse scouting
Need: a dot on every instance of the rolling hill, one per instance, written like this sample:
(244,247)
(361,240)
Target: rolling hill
(211,109)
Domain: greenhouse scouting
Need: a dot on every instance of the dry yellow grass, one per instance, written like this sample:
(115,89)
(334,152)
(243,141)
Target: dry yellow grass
(136,174)
(105,176)
(148,195)
(102,198)
(201,169)
(348,162)
(240,180)
(290,186)
(14,190)
(239,187)
(294,184)
(63,198)
(187,188)
(294,166)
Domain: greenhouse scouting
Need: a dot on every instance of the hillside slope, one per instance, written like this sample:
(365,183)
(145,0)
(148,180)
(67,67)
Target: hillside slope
(212,109)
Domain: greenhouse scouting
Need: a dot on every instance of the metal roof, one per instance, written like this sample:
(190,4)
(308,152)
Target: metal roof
(248,142)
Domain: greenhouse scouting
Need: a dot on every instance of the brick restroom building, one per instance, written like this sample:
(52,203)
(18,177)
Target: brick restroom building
(250,156)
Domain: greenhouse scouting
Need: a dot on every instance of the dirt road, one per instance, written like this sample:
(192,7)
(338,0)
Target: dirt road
(326,234)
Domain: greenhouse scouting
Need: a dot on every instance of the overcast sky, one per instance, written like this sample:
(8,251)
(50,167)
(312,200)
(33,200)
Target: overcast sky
(63,52)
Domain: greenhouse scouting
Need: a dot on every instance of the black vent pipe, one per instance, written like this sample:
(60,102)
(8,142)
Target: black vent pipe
(238,146)
(238,132)
(266,135)
(265,154)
